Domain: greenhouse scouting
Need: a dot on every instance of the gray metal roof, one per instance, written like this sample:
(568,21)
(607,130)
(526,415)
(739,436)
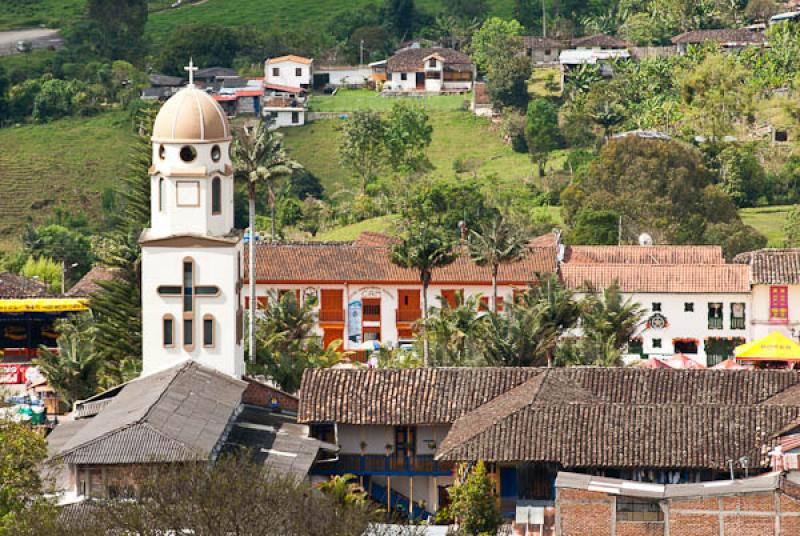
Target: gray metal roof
(628,488)
(275,441)
(180,413)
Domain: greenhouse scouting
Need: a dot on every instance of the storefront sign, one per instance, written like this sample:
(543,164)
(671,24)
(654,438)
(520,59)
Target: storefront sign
(354,317)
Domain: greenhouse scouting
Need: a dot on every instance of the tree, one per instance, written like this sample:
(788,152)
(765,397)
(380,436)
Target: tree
(22,450)
(741,175)
(474,503)
(64,246)
(455,333)
(73,369)
(496,243)
(496,38)
(507,81)
(466,9)
(735,238)
(122,23)
(44,269)
(407,136)
(554,303)
(288,344)
(423,246)
(542,134)
(117,305)
(760,10)
(527,13)
(399,15)
(595,227)
(657,186)
(209,45)
(260,159)
(361,146)
(201,499)
(610,318)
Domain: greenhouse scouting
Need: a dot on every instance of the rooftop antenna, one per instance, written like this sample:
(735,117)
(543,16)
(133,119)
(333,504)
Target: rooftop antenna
(191,68)
(645,240)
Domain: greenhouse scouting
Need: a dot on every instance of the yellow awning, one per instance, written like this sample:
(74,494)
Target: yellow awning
(774,347)
(43,305)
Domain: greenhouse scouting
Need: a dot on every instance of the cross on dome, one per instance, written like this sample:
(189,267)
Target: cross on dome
(191,68)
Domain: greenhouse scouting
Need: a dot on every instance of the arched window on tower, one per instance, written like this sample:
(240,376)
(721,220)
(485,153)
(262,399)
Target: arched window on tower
(208,331)
(161,193)
(216,196)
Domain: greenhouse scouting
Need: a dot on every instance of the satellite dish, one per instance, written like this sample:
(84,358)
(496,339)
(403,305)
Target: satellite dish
(645,240)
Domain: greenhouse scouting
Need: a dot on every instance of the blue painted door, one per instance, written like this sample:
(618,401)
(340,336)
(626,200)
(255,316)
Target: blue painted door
(508,482)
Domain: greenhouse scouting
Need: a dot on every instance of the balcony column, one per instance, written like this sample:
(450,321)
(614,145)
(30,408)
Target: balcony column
(410,497)
(388,494)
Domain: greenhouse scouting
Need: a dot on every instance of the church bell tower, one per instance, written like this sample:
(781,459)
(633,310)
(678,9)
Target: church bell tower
(191,254)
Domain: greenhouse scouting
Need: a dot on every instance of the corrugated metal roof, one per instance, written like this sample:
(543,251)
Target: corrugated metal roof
(180,413)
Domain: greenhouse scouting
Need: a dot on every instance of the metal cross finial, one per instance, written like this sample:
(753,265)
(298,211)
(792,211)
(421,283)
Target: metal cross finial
(191,68)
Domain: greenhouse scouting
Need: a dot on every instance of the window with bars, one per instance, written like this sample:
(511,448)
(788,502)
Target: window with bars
(715,316)
(639,510)
(738,316)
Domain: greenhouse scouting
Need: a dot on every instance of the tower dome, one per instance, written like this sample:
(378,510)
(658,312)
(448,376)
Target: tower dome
(191,116)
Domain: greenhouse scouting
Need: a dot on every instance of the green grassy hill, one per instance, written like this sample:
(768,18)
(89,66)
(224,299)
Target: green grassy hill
(456,135)
(64,163)
(769,221)
(29,13)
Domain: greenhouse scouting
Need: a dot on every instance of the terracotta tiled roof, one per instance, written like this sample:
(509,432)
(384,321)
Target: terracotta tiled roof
(17,286)
(644,255)
(88,284)
(535,41)
(740,36)
(411,59)
(352,262)
(577,417)
(290,57)
(772,266)
(599,40)
(713,278)
(402,396)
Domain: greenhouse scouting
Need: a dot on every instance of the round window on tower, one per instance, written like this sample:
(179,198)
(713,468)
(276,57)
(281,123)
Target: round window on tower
(216,153)
(188,153)
(162,152)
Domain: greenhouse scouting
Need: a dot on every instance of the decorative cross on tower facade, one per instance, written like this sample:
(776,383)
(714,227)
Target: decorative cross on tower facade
(191,69)
(189,292)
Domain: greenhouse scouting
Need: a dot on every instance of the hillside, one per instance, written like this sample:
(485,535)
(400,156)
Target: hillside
(63,163)
(456,135)
(26,13)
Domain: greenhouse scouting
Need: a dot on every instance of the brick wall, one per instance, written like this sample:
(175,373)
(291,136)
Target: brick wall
(580,513)
(258,394)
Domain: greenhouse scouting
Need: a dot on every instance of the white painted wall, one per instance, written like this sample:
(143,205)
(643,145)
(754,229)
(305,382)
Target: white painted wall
(375,438)
(761,325)
(213,266)
(283,117)
(167,217)
(692,325)
(341,77)
(287,73)
(398,84)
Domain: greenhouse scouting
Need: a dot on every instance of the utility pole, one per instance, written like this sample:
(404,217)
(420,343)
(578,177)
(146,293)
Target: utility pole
(619,232)
(544,20)
(361,52)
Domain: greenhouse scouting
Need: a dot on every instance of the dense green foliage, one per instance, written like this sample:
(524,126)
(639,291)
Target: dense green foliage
(474,503)
(21,451)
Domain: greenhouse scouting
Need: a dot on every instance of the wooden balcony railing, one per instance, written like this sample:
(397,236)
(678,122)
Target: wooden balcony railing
(377,464)
(331,315)
(408,315)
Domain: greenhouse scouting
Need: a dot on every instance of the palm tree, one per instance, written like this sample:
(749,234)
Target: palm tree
(260,158)
(559,309)
(73,369)
(610,317)
(424,247)
(456,333)
(495,243)
(522,336)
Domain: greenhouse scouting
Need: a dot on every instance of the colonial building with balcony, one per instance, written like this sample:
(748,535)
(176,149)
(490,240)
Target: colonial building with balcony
(775,280)
(694,303)
(408,434)
(361,296)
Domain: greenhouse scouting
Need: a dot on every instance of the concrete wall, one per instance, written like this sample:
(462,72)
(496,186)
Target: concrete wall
(344,77)
(398,84)
(375,439)
(283,117)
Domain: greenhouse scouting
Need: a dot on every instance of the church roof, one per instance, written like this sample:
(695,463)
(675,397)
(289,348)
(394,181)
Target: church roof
(191,116)
(178,414)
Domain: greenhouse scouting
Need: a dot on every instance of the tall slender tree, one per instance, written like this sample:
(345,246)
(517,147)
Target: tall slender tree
(495,243)
(424,246)
(260,158)
(559,309)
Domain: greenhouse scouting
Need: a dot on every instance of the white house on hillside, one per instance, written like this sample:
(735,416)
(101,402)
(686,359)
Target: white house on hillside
(432,70)
(292,71)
